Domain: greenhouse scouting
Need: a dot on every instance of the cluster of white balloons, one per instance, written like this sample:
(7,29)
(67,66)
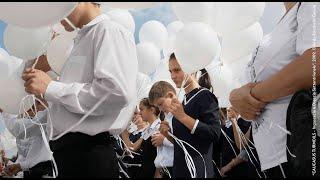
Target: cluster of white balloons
(218,36)
(34,29)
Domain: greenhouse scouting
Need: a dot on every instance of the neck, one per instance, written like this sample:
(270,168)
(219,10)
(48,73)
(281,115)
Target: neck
(89,16)
(151,120)
(191,86)
(289,5)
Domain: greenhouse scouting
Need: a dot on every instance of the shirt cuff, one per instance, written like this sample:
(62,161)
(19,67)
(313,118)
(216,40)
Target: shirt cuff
(53,91)
(195,126)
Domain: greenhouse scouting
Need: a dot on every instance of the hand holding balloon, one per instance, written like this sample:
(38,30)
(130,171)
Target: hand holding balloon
(36,81)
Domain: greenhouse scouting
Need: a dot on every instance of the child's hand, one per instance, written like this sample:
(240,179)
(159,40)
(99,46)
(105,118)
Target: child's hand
(12,169)
(164,128)
(176,109)
(157,139)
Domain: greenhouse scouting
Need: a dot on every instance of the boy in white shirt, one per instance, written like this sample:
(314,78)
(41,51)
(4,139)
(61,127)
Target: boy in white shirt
(102,68)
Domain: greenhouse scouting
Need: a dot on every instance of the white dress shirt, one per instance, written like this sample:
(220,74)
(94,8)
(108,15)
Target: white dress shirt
(103,60)
(291,37)
(165,152)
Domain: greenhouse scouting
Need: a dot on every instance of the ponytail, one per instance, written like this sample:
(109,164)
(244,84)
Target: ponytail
(204,80)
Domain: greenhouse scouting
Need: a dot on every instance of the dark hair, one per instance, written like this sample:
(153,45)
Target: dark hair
(159,90)
(146,103)
(204,80)
(223,114)
(172,57)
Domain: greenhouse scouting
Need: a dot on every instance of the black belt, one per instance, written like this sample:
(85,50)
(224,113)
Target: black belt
(79,139)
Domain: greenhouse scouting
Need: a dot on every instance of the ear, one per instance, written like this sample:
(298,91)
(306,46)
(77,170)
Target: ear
(170,94)
(153,110)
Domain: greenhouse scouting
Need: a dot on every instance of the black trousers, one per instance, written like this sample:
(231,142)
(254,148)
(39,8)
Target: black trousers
(37,171)
(81,155)
(276,172)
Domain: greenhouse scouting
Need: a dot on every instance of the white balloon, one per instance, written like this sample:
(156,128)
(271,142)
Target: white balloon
(59,29)
(13,93)
(239,44)
(155,32)
(174,27)
(228,17)
(35,14)
(196,46)
(192,11)
(143,86)
(129,5)
(238,69)
(24,43)
(169,47)
(59,50)
(148,57)
(163,74)
(122,17)
(223,82)
(162,71)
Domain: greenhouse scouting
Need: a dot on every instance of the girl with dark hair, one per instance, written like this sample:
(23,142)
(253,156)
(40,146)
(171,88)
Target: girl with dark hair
(149,113)
(196,121)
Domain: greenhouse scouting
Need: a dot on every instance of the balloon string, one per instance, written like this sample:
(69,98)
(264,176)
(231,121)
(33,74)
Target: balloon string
(228,139)
(83,118)
(121,170)
(43,135)
(243,142)
(272,146)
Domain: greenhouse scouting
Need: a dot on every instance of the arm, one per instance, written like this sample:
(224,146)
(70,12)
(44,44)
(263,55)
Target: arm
(298,74)
(115,66)
(136,146)
(125,137)
(233,163)
(157,173)
(208,125)
(237,135)
(295,76)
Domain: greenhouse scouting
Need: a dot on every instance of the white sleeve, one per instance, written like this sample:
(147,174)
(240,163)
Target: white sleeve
(20,128)
(308,26)
(115,72)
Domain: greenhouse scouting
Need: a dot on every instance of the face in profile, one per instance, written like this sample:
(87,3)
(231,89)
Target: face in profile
(74,18)
(177,75)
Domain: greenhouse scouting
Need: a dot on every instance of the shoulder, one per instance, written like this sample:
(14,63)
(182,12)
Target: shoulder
(110,26)
(207,95)
(306,11)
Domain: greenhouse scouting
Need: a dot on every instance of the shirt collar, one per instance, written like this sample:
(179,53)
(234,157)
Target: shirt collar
(95,21)
(155,123)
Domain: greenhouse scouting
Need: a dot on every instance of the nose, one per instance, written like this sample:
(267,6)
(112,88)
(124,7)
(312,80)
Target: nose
(173,76)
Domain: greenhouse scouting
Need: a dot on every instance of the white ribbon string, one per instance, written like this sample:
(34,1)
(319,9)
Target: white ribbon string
(82,119)
(273,148)
(229,141)
(42,131)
